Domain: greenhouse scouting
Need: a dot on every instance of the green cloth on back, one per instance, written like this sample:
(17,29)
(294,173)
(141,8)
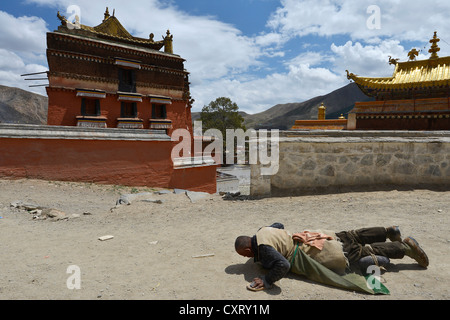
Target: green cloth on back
(304,265)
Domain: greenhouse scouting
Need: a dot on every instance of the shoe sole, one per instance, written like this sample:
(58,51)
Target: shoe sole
(421,255)
(251,287)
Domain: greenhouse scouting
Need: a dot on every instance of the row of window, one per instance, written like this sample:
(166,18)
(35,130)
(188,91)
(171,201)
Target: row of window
(91,107)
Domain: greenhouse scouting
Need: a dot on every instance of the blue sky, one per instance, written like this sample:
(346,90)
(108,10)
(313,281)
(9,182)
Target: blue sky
(259,53)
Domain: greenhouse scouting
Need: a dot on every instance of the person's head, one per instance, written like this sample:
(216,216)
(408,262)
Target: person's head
(243,246)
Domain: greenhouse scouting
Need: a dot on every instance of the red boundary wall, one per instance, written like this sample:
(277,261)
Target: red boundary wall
(121,162)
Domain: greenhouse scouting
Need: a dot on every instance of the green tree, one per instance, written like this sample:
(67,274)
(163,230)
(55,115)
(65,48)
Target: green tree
(221,114)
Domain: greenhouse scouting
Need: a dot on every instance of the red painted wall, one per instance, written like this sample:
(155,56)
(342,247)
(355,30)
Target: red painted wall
(196,179)
(418,114)
(131,163)
(64,106)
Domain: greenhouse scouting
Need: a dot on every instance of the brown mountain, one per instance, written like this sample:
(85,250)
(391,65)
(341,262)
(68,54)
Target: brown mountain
(20,106)
(283,116)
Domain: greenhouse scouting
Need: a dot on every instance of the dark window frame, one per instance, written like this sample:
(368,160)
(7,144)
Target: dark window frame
(159,111)
(85,108)
(124,110)
(127,80)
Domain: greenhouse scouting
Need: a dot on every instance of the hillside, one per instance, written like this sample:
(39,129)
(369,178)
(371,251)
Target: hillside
(283,116)
(20,106)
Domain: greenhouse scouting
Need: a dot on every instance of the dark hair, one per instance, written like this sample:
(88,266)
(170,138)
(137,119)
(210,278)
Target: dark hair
(242,242)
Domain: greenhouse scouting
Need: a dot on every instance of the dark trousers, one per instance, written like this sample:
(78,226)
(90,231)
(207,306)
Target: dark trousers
(366,241)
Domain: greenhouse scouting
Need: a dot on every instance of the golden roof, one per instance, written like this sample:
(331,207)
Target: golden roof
(432,72)
(111,28)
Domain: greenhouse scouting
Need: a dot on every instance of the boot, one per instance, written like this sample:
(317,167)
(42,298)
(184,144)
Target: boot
(413,250)
(393,234)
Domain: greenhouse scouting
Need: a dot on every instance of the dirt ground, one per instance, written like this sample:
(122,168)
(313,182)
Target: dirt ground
(155,246)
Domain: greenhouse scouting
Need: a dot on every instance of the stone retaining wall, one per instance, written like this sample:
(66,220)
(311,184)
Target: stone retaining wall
(323,161)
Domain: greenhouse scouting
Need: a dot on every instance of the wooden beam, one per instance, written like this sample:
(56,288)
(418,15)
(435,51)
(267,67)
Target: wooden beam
(32,74)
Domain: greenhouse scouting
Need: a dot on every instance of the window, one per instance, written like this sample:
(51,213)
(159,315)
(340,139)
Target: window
(129,110)
(90,107)
(127,80)
(159,111)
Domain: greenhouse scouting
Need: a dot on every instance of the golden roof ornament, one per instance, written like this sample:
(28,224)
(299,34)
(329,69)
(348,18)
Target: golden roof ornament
(321,112)
(393,61)
(106,14)
(423,74)
(413,54)
(62,18)
(434,47)
(168,42)
(350,75)
(113,29)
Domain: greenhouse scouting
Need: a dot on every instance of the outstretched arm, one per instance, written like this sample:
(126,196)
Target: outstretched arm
(277,265)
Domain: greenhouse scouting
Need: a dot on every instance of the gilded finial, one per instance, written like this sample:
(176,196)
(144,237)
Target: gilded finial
(350,75)
(62,19)
(413,54)
(168,42)
(392,61)
(106,14)
(322,110)
(434,47)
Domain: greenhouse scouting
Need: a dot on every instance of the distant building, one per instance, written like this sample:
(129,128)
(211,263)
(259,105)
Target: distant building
(416,97)
(321,123)
(104,77)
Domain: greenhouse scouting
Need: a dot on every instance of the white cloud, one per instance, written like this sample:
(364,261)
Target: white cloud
(23,34)
(321,17)
(10,61)
(213,50)
(222,61)
(401,19)
(300,82)
(271,39)
(22,43)
(314,72)
(310,58)
(367,60)
(12,67)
